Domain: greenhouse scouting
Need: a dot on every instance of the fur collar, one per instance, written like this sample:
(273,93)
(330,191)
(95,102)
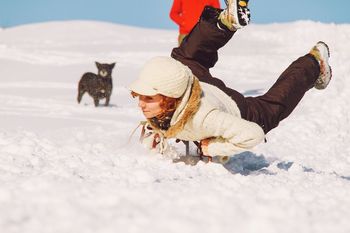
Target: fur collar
(186,110)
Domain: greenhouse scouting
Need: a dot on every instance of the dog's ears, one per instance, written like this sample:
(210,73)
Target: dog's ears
(98,64)
(110,65)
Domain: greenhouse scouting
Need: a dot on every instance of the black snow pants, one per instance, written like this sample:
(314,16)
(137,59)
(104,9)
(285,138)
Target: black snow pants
(199,52)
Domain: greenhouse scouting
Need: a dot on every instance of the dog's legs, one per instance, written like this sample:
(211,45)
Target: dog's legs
(107,100)
(96,101)
(80,94)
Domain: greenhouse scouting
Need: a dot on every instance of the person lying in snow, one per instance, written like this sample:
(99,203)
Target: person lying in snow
(181,100)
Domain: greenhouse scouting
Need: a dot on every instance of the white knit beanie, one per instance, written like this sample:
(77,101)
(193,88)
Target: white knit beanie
(162,75)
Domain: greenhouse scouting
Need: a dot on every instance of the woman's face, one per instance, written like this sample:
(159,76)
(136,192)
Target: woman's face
(150,105)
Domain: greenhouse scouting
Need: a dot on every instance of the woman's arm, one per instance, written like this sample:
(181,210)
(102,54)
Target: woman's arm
(230,134)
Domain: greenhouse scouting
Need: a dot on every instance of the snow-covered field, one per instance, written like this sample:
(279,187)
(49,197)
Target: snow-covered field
(66,167)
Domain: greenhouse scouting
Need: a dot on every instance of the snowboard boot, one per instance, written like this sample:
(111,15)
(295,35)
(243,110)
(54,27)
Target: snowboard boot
(236,15)
(321,52)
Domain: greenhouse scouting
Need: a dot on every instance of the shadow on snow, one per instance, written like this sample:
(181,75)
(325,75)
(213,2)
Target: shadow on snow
(248,163)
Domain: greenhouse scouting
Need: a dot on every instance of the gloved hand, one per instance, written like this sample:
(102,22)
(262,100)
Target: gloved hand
(204,143)
(152,139)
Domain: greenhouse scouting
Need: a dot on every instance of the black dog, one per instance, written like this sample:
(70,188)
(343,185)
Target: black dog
(97,86)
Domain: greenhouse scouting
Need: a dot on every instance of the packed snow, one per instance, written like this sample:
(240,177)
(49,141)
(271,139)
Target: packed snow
(67,167)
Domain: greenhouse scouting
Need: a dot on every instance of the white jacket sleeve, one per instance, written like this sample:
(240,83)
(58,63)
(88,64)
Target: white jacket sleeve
(231,134)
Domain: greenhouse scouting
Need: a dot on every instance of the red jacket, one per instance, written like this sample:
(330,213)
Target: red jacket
(185,13)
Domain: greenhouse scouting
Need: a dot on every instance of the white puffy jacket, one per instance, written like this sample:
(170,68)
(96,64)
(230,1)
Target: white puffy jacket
(207,112)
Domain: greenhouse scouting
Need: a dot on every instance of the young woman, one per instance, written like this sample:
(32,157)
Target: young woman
(180,99)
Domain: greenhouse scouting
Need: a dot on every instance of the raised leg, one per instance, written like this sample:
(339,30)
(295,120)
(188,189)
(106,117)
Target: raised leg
(199,49)
(282,98)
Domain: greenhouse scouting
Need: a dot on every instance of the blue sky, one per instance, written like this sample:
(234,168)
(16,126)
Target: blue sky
(154,13)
